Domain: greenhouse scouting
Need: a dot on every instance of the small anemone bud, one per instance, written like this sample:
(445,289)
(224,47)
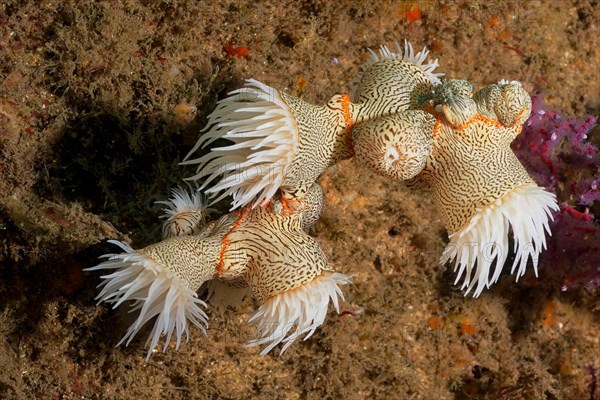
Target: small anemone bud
(396,146)
(185,213)
(454,99)
(506,101)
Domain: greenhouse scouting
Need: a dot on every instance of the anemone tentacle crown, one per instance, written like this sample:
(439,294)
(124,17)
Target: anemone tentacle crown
(402,122)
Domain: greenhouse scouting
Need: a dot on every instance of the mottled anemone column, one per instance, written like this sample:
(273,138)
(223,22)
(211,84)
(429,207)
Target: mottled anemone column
(161,280)
(393,135)
(253,249)
(279,142)
(481,189)
(396,146)
(232,292)
(286,271)
(185,213)
(391,82)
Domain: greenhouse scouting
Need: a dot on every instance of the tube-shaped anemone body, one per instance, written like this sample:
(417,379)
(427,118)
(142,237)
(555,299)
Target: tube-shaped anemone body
(391,82)
(185,213)
(232,292)
(161,280)
(396,146)
(287,273)
(257,248)
(279,142)
(482,190)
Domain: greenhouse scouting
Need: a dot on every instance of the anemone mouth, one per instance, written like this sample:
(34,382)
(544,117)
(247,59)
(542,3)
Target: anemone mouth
(392,156)
(482,245)
(155,292)
(304,308)
(406,54)
(185,213)
(265,139)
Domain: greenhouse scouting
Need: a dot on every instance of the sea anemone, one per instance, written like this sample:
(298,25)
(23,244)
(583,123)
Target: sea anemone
(508,102)
(253,251)
(395,146)
(482,246)
(280,142)
(454,100)
(407,54)
(314,201)
(263,130)
(185,213)
(393,82)
(155,291)
(304,308)
(481,189)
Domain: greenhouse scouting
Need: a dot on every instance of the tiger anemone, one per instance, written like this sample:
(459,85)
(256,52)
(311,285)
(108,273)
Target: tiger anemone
(481,189)
(277,142)
(396,146)
(185,213)
(391,82)
(253,251)
(160,281)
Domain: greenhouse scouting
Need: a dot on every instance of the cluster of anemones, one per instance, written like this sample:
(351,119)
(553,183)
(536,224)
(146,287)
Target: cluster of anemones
(260,250)
(401,122)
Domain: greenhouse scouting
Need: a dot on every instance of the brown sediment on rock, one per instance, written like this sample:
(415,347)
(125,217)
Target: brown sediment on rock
(92,127)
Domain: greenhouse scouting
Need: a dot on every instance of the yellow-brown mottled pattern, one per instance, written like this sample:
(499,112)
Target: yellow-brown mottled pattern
(509,103)
(396,146)
(322,142)
(253,246)
(281,256)
(271,251)
(191,258)
(470,169)
(260,232)
(389,87)
(314,202)
(472,165)
(186,223)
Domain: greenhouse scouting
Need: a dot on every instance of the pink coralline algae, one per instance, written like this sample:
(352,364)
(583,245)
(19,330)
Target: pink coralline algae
(556,152)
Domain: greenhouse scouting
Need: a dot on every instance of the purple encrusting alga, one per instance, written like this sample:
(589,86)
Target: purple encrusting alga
(557,153)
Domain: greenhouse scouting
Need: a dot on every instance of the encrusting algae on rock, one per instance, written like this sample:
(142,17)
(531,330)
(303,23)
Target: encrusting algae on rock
(401,122)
